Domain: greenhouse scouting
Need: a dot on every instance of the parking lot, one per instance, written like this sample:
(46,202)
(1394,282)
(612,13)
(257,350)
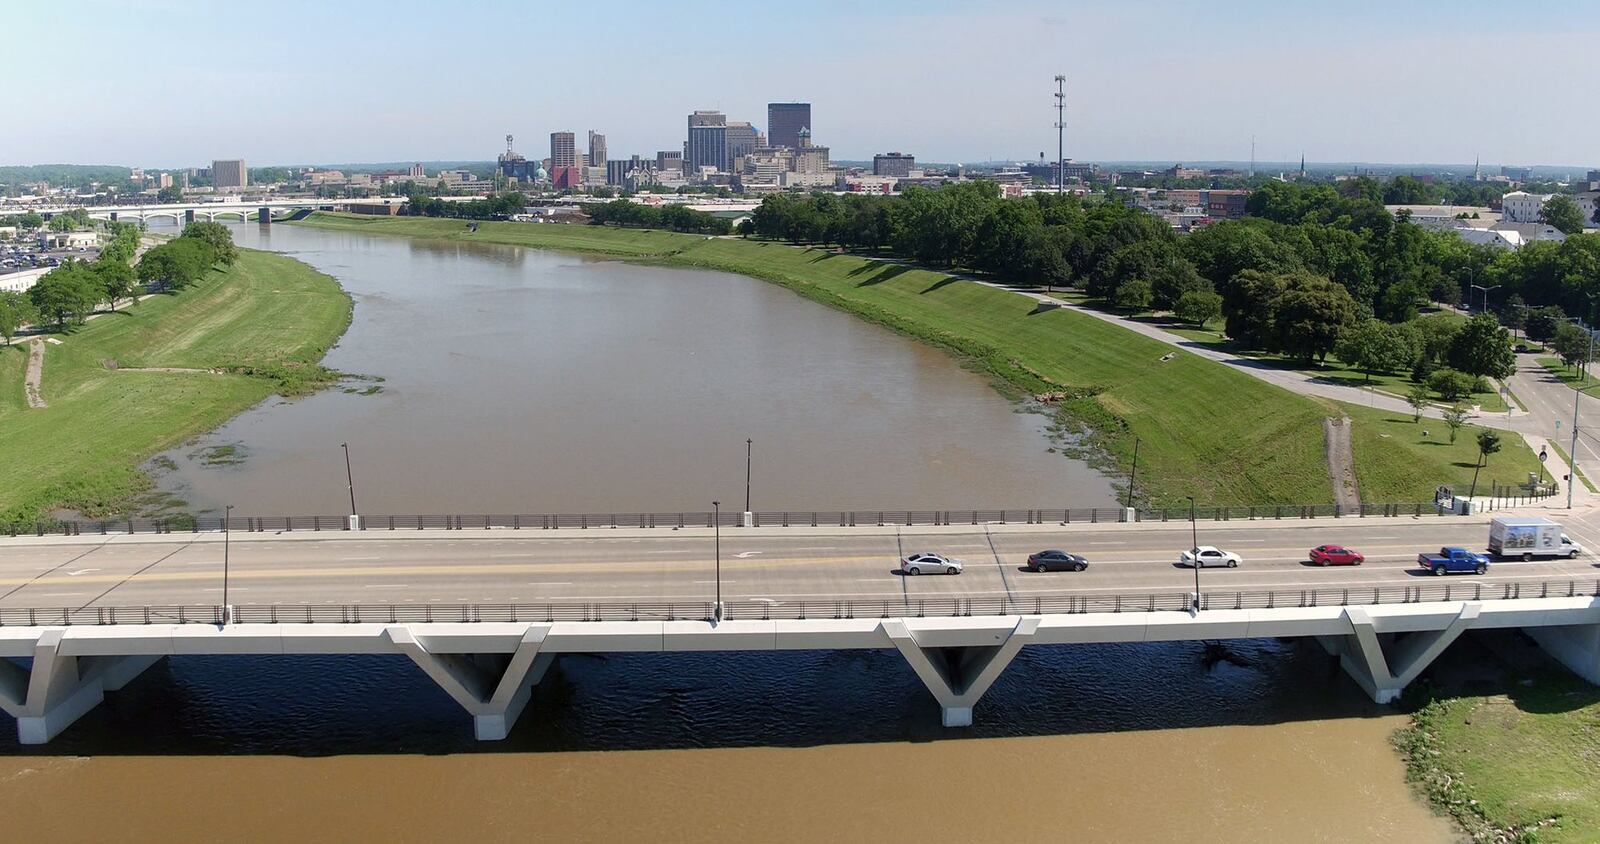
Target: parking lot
(15,257)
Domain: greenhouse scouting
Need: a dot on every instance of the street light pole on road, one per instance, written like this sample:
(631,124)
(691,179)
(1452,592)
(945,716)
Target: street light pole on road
(1194,537)
(1577,393)
(350,481)
(1485,294)
(747,516)
(716,527)
(227,522)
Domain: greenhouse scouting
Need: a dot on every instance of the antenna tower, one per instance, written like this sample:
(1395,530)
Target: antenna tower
(1061,133)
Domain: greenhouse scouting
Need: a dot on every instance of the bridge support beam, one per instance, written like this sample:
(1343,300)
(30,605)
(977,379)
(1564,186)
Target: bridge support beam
(1383,663)
(1577,646)
(188,216)
(59,688)
(264,215)
(493,688)
(958,677)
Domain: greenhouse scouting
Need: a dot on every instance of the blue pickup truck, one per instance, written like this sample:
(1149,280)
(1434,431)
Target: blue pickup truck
(1452,560)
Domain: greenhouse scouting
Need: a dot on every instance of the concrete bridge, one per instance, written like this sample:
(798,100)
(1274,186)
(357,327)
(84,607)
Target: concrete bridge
(485,612)
(188,212)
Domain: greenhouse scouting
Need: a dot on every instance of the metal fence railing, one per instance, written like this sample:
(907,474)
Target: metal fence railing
(184,523)
(824,608)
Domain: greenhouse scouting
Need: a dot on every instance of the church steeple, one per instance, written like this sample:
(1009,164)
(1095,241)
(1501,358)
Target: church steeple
(1302,165)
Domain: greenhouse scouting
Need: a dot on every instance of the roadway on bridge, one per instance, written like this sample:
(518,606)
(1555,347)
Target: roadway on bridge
(780,565)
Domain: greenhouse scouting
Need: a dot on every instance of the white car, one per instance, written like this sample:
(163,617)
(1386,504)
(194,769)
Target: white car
(932,563)
(1208,556)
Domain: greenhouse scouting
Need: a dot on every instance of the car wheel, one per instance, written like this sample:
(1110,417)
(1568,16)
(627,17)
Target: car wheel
(1233,564)
(1324,562)
(1482,568)
(1438,570)
(913,571)
(1357,562)
(1080,567)
(1041,568)
(1573,555)
(1527,557)
(952,571)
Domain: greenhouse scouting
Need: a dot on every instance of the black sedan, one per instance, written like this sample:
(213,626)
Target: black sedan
(1056,561)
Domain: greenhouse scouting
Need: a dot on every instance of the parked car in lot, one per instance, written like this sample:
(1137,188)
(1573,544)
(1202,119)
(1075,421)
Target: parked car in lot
(915,564)
(1451,559)
(1335,555)
(1206,556)
(1056,560)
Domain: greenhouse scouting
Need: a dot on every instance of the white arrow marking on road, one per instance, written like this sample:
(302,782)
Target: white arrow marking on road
(745,555)
(80,571)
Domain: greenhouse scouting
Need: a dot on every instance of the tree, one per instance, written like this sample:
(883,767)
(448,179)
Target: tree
(1309,316)
(1455,416)
(1562,212)
(1198,307)
(1542,322)
(1488,443)
(1482,347)
(1418,398)
(175,264)
(170,194)
(1248,304)
(1373,345)
(1133,295)
(67,293)
(219,238)
(1514,315)
(116,278)
(1572,344)
(745,228)
(15,309)
(1452,385)
(30,220)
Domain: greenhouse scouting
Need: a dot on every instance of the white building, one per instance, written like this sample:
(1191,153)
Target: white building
(1588,201)
(68,240)
(1523,207)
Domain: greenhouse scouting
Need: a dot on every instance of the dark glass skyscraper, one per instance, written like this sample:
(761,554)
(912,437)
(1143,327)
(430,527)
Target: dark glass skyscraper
(784,122)
(708,142)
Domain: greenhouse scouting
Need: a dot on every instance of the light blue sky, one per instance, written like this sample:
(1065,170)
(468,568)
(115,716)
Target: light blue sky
(169,83)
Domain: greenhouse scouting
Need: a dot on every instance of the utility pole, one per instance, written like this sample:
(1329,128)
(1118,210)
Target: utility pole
(1061,133)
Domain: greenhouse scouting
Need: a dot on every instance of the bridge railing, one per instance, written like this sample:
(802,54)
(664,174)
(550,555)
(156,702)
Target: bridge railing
(820,608)
(186,523)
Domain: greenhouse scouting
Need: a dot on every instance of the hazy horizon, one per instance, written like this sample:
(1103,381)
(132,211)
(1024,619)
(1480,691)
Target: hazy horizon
(170,84)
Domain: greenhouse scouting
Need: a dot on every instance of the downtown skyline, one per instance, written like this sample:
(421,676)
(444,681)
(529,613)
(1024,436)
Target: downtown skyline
(1152,83)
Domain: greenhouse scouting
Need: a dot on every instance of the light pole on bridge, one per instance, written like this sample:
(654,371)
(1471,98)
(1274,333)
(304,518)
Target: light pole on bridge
(350,481)
(227,524)
(1194,537)
(716,527)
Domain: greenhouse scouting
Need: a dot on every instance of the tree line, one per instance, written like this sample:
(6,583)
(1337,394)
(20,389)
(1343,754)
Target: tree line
(496,207)
(676,218)
(70,293)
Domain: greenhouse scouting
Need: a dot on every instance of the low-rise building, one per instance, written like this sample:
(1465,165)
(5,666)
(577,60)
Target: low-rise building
(68,240)
(1523,207)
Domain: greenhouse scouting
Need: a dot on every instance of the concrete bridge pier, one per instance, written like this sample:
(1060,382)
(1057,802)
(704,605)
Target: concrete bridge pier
(264,215)
(188,216)
(1385,663)
(493,688)
(58,689)
(959,676)
(1577,646)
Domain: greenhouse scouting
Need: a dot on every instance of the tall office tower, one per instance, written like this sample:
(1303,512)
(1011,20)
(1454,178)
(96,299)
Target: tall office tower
(784,122)
(742,137)
(597,149)
(708,142)
(563,150)
(230,173)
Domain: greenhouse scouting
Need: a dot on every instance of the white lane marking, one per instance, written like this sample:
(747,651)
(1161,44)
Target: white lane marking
(553,583)
(516,554)
(63,594)
(745,555)
(81,571)
(1249,540)
(387,586)
(713,581)
(361,558)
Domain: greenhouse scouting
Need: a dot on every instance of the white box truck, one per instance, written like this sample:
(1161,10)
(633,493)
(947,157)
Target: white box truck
(1529,537)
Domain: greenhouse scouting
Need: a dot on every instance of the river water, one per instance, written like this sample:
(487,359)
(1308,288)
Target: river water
(520,380)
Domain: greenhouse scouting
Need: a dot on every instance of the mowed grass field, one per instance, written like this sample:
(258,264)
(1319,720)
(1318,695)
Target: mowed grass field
(268,314)
(1203,429)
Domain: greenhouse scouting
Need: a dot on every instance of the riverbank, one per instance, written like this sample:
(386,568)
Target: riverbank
(1203,429)
(1515,764)
(254,329)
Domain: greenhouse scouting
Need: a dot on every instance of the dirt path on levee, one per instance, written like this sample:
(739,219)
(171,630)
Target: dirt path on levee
(1341,462)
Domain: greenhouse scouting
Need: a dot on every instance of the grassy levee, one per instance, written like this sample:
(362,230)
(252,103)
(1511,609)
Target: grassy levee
(1390,451)
(1204,429)
(1519,766)
(263,323)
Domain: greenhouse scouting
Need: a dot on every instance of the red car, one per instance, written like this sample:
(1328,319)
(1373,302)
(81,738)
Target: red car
(1335,555)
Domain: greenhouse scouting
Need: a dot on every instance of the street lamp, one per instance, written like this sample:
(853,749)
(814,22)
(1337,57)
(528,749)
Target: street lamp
(1194,537)
(350,481)
(1485,293)
(716,526)
(1133,475)
(1577,393)
(747,444)
(227,523)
